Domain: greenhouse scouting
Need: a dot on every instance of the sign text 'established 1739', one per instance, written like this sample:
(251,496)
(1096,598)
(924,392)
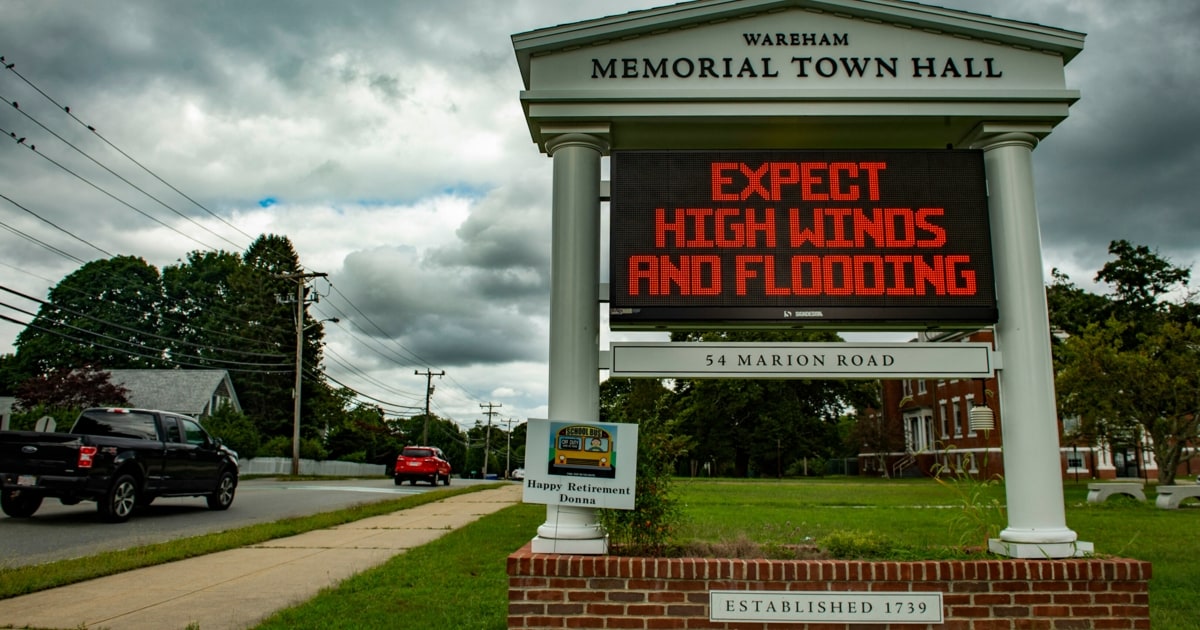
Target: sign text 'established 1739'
(861,239)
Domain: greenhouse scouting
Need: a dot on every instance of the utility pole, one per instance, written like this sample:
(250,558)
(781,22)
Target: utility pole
(508,449)
(429,374)
(487,440)
(301,279)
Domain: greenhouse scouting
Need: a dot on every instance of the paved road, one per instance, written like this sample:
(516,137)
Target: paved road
(59,532)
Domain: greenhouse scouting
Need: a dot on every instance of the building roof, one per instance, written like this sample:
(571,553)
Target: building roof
(182,391)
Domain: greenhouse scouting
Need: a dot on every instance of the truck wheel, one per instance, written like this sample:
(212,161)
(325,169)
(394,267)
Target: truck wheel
(117,504)
(446,480)
(398,481)
(18,504)
(223,497)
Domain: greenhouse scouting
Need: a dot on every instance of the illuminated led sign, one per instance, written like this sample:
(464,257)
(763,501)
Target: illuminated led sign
(857,239)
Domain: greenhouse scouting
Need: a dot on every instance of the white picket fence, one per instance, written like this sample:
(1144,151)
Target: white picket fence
(283,466)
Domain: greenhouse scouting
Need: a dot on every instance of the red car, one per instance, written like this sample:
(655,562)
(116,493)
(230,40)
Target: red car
(426,463)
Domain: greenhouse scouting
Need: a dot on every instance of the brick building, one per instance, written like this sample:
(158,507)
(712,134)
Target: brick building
(926,425)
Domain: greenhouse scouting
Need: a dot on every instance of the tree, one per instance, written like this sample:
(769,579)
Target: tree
(766,425)
(649,527)
(264,307)
(1072,308)
(235,430)
(200,321)
(361,434)
(71,389)
(105,314)
(1135,369)
(1154,387)
(12,373)
(1139,276)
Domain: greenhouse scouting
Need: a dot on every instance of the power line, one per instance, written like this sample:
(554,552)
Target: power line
(38,242)
(468,394)
(130,352)
(164,353)
(112,196)
(168,316)
(11,67)
(414,357)
(130,328)
(57,227)
(333,357)
(111,172)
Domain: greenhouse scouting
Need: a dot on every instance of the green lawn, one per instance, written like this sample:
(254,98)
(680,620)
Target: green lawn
(459,580)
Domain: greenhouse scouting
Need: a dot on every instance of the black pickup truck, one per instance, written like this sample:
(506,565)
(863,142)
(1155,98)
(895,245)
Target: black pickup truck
(119,458)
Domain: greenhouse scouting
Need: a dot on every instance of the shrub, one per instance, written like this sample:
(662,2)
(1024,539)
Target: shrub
(280,446)
(236,431)
(650,527)
(845,545)
(25,420)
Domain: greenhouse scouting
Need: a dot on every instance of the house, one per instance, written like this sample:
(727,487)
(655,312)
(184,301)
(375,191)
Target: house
(196,393)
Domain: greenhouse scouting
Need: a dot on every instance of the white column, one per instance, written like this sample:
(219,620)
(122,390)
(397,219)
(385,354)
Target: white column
(574,388)
(1036,512)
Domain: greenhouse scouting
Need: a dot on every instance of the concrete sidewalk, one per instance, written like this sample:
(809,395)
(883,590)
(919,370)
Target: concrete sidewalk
(241,587)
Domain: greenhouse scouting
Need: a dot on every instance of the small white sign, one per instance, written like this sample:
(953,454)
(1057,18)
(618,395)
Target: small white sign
(802,360)
(825,607)
(585,464)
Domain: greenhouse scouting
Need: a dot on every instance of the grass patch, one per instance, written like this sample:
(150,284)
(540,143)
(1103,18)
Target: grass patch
(457,581)
(28,579)
(921,519)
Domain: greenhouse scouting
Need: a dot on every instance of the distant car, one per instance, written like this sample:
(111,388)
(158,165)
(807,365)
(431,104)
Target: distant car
(423,463)
(518,474)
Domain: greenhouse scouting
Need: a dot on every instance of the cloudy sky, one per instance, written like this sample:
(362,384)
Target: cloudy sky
(386,140)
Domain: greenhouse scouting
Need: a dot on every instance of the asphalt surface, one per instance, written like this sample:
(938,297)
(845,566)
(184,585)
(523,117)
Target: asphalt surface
(241,587)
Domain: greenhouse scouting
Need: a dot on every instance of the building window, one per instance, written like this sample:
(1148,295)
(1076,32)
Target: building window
(921,388)
(957,417)
(906,386)
(944,421)
(970,403)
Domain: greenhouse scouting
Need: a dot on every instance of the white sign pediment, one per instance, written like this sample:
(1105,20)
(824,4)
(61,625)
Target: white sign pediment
(797,49)
(786,73)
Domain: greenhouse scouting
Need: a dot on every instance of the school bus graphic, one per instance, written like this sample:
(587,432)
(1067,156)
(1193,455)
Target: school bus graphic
(582,450)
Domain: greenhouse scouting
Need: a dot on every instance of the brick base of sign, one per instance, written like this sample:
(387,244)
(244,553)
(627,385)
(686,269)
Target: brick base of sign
(565,591)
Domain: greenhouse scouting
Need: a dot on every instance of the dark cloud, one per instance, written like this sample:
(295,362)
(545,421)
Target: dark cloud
(446,314)
(1119,167)
(352,115)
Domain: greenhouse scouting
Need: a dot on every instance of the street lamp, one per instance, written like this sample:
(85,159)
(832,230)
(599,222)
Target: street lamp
(300,328)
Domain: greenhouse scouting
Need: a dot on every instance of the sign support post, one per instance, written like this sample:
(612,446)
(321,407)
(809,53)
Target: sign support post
(1036,511)
(574,317)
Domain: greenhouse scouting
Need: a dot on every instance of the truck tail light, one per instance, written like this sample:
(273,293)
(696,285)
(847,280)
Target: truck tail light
(86,455)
